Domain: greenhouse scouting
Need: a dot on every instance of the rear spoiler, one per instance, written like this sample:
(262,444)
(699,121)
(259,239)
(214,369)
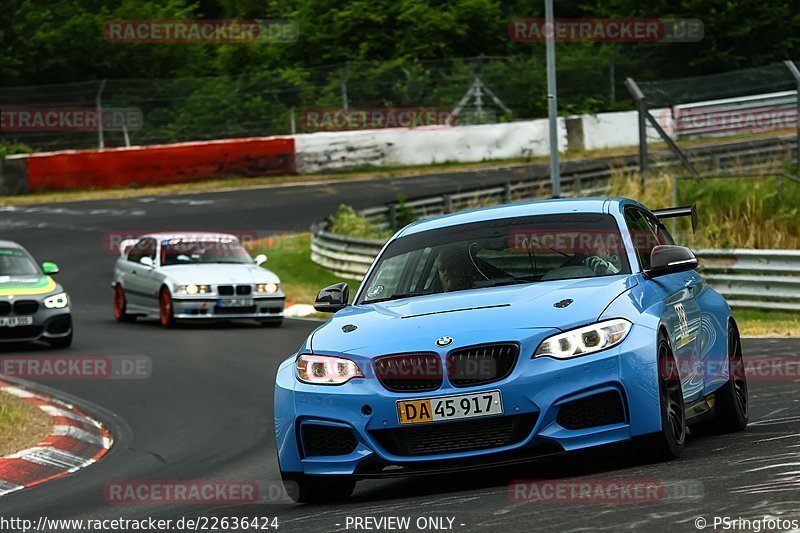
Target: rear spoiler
(673,212)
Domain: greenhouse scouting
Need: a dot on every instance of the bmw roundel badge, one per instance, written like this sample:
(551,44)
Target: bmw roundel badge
(444,341)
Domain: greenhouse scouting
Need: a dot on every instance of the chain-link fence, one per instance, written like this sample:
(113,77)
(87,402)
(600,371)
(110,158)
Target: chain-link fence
(142,112)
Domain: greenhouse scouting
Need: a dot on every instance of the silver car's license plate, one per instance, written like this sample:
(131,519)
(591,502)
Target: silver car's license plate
(236,302)
(14,321)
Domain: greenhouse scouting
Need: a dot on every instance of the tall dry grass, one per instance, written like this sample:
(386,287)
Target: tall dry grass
(738,212)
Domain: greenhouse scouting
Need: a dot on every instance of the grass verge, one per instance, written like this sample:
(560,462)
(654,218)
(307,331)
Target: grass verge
(767,323)
(290,258)
(22,425)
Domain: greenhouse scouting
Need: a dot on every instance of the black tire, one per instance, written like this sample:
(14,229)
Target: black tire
(317,489)
(61,342)
(667,444)
(731,411)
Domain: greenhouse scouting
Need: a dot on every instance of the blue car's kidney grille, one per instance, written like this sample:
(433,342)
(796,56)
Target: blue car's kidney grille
(417,372)
(481,364)
(453,437)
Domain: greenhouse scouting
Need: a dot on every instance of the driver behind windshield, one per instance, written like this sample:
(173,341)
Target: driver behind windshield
(454,268)
(602,261)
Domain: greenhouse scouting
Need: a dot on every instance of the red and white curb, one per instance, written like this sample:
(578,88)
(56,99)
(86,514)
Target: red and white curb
(76,441)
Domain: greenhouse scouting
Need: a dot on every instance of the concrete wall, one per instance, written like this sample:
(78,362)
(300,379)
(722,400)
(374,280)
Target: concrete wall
(160,164)
(614,130)
(326,151)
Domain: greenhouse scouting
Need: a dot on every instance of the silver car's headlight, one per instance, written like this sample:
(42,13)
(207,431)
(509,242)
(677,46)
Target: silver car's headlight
(326,370)
(585,340)
(57,301)
(193,289)
(268,288)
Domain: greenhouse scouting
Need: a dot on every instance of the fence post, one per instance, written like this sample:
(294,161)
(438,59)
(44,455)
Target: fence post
(98,103)
(641,107)
(343,85)
(507,192)
(292,124)
(796,73)
(448,204)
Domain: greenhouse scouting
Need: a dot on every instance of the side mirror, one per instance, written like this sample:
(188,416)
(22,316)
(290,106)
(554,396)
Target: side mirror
(260,259)
(147,261)
(50,268)
(668,259)
(331,299)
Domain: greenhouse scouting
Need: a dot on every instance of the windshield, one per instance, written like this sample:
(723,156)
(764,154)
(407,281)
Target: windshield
(203,250)
(498,252)
(15,262)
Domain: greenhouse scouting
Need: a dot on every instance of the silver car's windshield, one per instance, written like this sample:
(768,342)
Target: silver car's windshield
(203,251)
(498,252)
(15,262)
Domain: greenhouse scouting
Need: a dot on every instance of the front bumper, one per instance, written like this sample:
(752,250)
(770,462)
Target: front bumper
(263,308)
(48,324)
(535,392)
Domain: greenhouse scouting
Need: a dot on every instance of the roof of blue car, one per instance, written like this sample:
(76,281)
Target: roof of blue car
(539,207)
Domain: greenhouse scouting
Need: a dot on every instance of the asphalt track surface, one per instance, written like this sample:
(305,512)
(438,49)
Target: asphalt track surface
(206,411)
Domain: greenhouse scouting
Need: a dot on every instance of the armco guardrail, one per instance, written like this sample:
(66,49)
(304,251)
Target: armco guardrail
(755,279)
(758,279)
(732,115)
(763,279)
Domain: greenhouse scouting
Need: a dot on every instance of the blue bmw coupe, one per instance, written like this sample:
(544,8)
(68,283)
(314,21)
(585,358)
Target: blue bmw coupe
(506,334)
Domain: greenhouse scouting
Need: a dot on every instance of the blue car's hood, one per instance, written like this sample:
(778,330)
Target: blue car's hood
(510,313)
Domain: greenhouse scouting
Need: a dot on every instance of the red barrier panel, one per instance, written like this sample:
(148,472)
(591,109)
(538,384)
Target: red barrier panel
(161,164)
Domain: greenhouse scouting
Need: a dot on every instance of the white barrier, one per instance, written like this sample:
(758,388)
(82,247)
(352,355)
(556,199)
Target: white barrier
(326,151)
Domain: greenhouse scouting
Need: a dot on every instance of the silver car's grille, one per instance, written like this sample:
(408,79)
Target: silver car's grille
(5,308)
(230,290)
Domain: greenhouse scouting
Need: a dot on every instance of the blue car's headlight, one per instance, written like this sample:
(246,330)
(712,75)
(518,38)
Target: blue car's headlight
(326,370)
(585,340)
(57,301)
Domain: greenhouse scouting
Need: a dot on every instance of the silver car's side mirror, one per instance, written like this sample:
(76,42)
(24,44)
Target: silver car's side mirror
(260,259)
(147,261)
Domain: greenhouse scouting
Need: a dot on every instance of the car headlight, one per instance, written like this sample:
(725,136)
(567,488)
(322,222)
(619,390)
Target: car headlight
(193,289)
(585,340)
(57,301)
(326,370)
(268,288)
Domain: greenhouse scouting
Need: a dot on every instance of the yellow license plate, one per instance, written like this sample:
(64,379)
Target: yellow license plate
(424,410)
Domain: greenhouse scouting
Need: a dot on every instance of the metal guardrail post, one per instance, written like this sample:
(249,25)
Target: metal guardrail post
(448,203)
(507,193)
(641,107)
(393,216)
(796,73)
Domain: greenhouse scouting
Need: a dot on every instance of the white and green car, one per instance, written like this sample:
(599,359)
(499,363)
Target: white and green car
(33,307)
